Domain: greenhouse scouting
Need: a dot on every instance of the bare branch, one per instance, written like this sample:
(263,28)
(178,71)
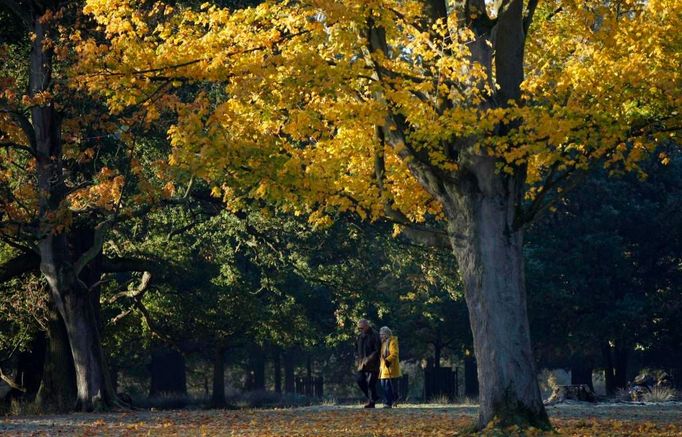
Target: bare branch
(11,382)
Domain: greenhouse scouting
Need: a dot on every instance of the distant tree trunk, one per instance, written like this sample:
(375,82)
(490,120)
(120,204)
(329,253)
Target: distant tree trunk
(168,372)
(289,381)
(277,367)
(57,392)
(437,351)
(620,374)
(615,367)
(470,377)
(218,394)
(258,366)
(582,374)
(309,367)
(29,370)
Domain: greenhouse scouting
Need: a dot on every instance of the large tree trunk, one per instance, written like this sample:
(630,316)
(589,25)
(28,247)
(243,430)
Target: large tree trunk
(489,255)
(57,391)
(218,394)
(57,263)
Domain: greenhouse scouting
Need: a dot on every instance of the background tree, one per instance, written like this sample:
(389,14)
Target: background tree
(605,301)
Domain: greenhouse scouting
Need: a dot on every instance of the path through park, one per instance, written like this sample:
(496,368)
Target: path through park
(408,421)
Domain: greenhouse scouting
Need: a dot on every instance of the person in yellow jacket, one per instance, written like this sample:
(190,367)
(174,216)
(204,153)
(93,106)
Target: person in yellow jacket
(389,368)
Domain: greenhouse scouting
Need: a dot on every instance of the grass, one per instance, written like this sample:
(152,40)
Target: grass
(660,394)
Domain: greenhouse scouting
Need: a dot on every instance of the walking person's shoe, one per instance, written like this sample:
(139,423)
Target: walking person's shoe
(369,404)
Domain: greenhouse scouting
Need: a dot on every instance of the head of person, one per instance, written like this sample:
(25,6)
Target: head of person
(385,333)
(363,326)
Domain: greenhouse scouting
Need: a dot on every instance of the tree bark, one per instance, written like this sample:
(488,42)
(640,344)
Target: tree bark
(489,254)
(57,392)
(218,393)
(57,260)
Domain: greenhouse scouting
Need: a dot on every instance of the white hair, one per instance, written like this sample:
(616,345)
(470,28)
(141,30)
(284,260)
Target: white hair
(385,330)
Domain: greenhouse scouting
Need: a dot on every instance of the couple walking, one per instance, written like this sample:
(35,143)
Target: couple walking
(377,359)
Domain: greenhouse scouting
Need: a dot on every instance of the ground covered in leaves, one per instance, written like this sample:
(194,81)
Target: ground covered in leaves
(447,420)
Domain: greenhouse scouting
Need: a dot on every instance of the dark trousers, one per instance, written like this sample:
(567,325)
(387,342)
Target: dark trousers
(367,381)
(388,386)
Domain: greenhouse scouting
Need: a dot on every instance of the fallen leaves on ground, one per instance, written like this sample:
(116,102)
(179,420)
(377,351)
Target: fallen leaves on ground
(346,422)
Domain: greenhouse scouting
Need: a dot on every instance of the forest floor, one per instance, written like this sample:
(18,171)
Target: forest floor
(570,419)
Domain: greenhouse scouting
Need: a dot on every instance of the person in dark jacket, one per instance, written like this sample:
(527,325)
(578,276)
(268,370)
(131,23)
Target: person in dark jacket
(367,349)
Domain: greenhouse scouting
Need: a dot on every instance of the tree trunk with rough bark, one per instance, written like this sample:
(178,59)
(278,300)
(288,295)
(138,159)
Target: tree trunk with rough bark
(57,391)
(57,259)
(490,259)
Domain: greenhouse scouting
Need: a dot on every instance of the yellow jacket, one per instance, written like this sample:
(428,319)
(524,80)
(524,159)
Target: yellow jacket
(390,366)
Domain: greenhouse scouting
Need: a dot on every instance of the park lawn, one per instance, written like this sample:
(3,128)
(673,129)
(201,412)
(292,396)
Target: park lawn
(569,420)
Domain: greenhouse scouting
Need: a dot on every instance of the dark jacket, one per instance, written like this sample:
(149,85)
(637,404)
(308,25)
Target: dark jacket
(367,349)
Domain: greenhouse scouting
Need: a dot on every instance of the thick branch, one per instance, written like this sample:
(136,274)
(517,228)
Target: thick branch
(17,147)
(418,234)
(25,125)
(391,131)
(94,250)
(528,16)
(19,265)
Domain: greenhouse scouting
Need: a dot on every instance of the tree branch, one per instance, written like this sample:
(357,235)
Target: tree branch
(94,250)
(10,145)
(11,382)
(25,125)
(19,265)
(528,16)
